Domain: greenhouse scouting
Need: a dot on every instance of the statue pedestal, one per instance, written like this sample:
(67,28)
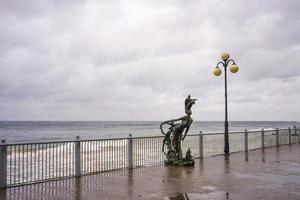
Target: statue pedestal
(173,159)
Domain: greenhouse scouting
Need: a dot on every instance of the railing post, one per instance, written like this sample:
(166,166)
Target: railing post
(298,135)
(277,137)
(295,134)
(290,136)
(130,152)
(3,164)
(262,138)
(246,141)
(77,156)
(200,145)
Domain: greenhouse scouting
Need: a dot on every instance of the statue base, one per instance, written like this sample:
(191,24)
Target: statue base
(173,159)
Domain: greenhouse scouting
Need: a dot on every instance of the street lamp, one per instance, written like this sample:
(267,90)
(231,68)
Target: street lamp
(217,72)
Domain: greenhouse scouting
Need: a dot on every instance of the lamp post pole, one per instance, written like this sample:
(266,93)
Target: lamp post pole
(234,68)
(226,136)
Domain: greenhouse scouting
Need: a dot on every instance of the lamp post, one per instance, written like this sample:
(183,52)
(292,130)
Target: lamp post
(217,72)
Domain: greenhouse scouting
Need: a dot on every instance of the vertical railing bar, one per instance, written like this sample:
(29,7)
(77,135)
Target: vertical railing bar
(108,154)
(22,163)
(140,157)
(89,152)
(56,160)
(114,153)
(83,146)
(83,157)
(60,162)
(73,158)
(64,160)
(104,155)
(157,150)
(33,173)
(31,152)
(27,162)
(69,155)
(97,156)
(136,153)
(10,165)
(65,157)
(117,155)
(46,160)
(140,154)
(19,161)
(124,154)
(145,142)
(42,151)
(154,151)
(151,150)
(87,157)
(38,163)
(145,154)
(90,156)
(53,160)
(101,156)
(94,155)
(111,154)
(290,135)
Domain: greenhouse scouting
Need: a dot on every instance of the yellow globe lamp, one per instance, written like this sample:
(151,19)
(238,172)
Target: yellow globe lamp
(217,71)
(225,56)
(234,68)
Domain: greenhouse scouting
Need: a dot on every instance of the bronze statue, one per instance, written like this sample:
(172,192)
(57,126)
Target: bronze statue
(173,136)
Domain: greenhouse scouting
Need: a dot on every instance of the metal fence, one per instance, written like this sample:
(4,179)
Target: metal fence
(36,162)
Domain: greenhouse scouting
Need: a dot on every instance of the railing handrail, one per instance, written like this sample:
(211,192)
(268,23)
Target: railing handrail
(137,137)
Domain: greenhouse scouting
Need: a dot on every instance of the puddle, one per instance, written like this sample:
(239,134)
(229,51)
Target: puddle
(199,196)
(209,187)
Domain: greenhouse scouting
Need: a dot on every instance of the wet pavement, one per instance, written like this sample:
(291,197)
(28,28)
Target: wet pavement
(273,173)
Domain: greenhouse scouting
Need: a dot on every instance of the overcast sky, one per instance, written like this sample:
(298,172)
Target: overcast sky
(138,60)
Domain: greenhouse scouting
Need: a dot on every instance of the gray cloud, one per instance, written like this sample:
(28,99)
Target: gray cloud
(137,60)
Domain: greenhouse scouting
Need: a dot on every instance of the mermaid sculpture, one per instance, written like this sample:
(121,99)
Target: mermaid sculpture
(173,136)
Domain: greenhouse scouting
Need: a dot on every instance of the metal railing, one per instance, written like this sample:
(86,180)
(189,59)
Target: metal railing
(37,162)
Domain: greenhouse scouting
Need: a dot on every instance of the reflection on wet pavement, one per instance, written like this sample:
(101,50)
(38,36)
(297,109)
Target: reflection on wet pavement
(273,173)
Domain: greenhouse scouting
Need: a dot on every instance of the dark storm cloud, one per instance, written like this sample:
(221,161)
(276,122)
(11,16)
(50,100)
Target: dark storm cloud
(129,60)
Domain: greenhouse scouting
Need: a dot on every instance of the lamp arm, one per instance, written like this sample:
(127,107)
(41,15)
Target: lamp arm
(223,64)
(230,60)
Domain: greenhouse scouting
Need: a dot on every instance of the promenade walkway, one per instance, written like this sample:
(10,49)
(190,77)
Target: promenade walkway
(270,174)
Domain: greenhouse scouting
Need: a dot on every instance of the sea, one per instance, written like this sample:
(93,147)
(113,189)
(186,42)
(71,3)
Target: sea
(40,131)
